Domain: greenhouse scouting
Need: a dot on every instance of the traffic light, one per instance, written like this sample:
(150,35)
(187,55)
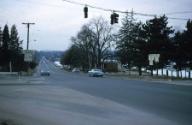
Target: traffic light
(85,12)
(114,18)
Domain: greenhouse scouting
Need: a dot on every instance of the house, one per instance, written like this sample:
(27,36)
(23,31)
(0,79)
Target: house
(111,65)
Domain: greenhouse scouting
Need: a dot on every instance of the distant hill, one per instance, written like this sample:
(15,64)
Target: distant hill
(50,55)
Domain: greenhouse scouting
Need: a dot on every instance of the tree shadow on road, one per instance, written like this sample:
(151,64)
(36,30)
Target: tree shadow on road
(8,122)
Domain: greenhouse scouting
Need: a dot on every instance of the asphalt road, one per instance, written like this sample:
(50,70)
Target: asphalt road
(98,101)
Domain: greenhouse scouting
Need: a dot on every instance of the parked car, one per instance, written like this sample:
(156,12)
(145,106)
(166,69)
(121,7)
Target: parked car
(77,70)
(45,73)
(96,73)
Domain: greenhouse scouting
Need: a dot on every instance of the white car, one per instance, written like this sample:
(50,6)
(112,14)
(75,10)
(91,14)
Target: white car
(96,73)
(76,70)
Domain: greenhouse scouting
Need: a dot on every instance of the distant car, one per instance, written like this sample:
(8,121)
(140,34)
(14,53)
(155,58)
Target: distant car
(77,70)
(45,73)
(58,64)
(96,73)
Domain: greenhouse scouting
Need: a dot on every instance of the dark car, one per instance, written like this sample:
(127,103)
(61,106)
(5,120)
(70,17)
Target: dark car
(45,73)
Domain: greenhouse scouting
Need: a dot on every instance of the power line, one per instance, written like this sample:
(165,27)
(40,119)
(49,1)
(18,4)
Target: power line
(104,9)
(113,10)
(119,11)
(179,12)
(39,3)
(175,18)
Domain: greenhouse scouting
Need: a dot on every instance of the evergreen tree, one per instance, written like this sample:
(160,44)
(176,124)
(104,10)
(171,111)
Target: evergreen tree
(131,44)
(14,49)
(14,40)
(125,41)
(11,50)
(179,53)
(5,51)
(158,33)
(182,54)
(6,38)
(188,42)
(1,43)
(1,38)
(74,57)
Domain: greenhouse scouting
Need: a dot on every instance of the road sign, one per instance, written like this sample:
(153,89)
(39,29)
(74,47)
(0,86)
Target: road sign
(28,56)
(153,58)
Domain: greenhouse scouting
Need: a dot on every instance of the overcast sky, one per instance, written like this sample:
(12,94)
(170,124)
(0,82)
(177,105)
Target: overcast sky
(56,21)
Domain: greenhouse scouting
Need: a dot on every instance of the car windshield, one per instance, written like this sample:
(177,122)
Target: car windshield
(95,62)
(99,70)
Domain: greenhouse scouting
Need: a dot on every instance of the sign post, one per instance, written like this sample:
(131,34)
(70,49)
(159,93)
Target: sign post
(153,58)
(28,56)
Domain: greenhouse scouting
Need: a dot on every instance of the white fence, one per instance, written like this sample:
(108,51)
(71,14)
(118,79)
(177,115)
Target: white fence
(173,73)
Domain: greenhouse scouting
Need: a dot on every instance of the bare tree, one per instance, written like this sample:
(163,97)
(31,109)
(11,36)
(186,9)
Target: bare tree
(84,40)
(95,40)
(102,39)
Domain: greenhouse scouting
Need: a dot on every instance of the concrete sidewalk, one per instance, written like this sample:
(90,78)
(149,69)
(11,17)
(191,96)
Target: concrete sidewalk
(181,82)
(20,80)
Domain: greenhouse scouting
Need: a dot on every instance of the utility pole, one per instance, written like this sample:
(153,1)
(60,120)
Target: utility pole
(132,15)
(28,26)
